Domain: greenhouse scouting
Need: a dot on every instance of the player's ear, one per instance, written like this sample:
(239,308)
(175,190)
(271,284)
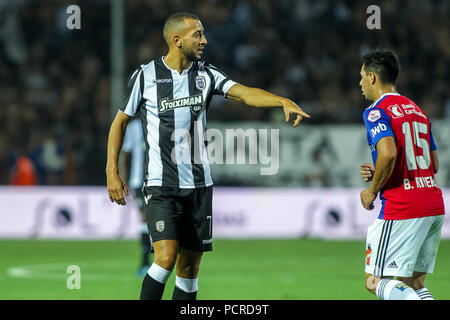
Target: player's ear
(372,77)
(176,40)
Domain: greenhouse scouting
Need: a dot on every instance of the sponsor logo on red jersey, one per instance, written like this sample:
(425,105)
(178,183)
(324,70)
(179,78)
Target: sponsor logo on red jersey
(374,115)
(396,111)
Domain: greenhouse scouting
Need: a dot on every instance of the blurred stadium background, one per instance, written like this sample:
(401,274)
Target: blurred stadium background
(60,88)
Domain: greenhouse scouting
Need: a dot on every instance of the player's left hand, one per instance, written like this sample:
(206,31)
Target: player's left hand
(290,107)
(367,198)
(116,188)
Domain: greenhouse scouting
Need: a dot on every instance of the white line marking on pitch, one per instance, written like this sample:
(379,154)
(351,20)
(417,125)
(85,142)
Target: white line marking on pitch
(57,271)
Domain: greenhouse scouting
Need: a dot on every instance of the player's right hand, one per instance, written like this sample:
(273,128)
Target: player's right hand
(367,170)
(291,107)
(116,188)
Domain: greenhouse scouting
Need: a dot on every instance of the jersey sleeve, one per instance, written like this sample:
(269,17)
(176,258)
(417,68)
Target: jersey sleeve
(133,95)
(378,125)
(433,145)
(222,83)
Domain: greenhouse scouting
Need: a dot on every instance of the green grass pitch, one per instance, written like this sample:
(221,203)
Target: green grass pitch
(237,269)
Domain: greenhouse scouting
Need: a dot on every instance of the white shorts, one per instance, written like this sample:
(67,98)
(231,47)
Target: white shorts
(400,247)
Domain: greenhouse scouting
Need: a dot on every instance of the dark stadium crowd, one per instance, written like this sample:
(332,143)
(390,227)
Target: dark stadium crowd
(55,82)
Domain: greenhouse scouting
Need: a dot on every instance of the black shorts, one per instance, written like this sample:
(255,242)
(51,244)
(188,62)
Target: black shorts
(178,214)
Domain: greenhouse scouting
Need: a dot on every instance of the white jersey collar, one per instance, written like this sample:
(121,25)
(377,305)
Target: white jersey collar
(184,71)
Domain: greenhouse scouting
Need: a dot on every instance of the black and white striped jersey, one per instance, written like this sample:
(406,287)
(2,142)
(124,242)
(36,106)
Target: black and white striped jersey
(173,113)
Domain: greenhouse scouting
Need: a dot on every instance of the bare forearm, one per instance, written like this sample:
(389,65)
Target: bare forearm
(255,97)
(262,98)
(383,170)
(115,140)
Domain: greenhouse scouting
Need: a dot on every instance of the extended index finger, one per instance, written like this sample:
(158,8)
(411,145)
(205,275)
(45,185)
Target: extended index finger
(301,112)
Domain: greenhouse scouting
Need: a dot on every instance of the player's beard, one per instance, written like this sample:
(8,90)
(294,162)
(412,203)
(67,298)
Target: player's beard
(191,55)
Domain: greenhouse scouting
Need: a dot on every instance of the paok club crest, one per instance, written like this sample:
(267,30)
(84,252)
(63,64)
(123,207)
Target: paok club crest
(200,82)
(160,225)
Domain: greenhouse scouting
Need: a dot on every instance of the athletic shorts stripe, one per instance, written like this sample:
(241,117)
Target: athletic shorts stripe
(382,247)
(386,246)
(379,246)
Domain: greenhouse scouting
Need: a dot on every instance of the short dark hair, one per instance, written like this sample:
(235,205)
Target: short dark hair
(175,20)
(384,63)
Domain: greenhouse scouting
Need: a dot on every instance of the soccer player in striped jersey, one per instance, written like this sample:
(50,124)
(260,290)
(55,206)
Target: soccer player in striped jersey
(172,94)
(404,240)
